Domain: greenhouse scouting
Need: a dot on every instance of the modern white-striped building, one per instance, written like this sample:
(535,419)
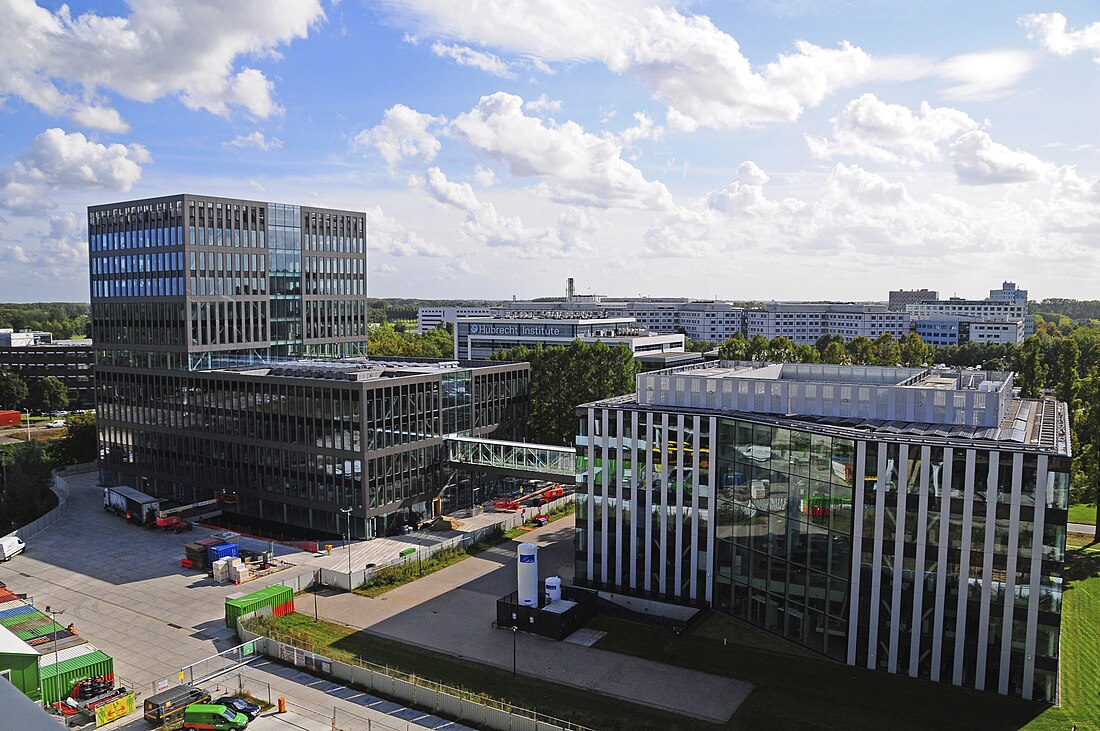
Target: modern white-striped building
(908,520)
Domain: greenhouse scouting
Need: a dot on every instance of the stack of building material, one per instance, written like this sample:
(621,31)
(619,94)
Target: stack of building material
(221,570)
(239,571)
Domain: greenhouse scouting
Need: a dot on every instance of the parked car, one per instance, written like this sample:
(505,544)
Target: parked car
(59,413)
(240,705)
(55,424)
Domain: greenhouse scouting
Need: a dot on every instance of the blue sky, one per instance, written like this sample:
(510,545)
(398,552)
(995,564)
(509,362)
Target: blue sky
(786,149)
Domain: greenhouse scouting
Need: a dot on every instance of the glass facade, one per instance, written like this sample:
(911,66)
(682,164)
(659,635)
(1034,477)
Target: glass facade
(293,450)
(936,559)
(784,525)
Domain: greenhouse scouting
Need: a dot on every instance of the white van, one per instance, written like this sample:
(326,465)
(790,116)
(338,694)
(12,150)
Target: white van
(10,546)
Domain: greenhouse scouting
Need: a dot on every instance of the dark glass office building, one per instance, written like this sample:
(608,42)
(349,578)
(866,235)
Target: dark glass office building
(229,339)
(69,361)
(906,520)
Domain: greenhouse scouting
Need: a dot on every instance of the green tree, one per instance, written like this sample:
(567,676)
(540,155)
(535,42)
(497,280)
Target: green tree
(563,378)
(756,348)
(80,442)
(13,390)
(1032,372)
(1065,386)
(914,351)
(823,342)
(835,353)
(733,348)
(781,349)
(861,350)
(1086,457)
(807,353)
(26,494)
(887,350)
(49,394)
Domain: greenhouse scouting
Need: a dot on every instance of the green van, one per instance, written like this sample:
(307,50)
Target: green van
(204,716)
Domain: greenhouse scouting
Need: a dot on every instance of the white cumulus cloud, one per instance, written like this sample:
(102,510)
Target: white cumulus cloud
(485,225)
(1049,30)
(890,133)
(978,160)
(56,161)
(984,75)
(577,167)
(188,49)
(686,62)
(403,135)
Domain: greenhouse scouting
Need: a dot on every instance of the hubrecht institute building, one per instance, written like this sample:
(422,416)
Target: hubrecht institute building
(906,520)
(230,338)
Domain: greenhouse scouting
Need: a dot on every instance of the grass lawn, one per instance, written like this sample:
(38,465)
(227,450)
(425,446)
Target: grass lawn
(793,688)
(1080,648)
(573,704)
(1082,513)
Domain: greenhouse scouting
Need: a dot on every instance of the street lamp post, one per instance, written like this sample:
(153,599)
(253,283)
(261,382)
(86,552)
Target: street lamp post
(514,630)
(53,617)
(28,413)
(347,511)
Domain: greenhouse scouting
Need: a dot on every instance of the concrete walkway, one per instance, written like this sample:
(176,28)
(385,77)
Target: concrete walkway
(1088,528)
(451,611)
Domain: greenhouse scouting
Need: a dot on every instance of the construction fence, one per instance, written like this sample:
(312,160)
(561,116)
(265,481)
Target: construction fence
(448,701)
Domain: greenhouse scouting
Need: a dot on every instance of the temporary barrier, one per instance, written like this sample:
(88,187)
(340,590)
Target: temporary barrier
(63,677)
(273,596)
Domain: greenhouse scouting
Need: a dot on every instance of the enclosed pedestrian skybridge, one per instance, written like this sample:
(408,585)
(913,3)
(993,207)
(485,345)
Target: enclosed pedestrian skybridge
(512,459)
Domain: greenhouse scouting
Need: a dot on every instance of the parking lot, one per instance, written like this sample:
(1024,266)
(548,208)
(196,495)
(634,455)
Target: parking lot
(123,589)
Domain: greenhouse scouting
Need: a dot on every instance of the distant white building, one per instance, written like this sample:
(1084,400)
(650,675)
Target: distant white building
(477,338)
(430,318)
(804,323)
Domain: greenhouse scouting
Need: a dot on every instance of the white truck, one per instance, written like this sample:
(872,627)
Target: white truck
(134,505)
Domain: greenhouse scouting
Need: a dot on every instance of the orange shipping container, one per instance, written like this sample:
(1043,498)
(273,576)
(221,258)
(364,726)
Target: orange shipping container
(11,418)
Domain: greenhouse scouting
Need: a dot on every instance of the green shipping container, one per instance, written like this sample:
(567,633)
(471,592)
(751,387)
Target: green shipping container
(19,663)
(272,596)
(19,618)
(64,676)
(38,630)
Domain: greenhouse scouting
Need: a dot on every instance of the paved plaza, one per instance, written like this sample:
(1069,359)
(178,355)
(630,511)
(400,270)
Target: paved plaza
(451,611)
(124,590)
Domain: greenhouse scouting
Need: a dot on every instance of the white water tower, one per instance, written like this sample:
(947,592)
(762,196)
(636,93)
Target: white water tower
(528,574)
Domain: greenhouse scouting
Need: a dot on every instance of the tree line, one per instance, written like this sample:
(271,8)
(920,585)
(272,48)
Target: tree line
(66,320)
(25,469)
(564,377)
(44,394)
(387,341)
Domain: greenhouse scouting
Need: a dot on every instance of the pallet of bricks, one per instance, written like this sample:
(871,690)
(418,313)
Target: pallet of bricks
(197,555)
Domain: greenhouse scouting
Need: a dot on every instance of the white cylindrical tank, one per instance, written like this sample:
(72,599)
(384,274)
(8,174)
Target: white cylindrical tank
(553,589)
(528,574)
